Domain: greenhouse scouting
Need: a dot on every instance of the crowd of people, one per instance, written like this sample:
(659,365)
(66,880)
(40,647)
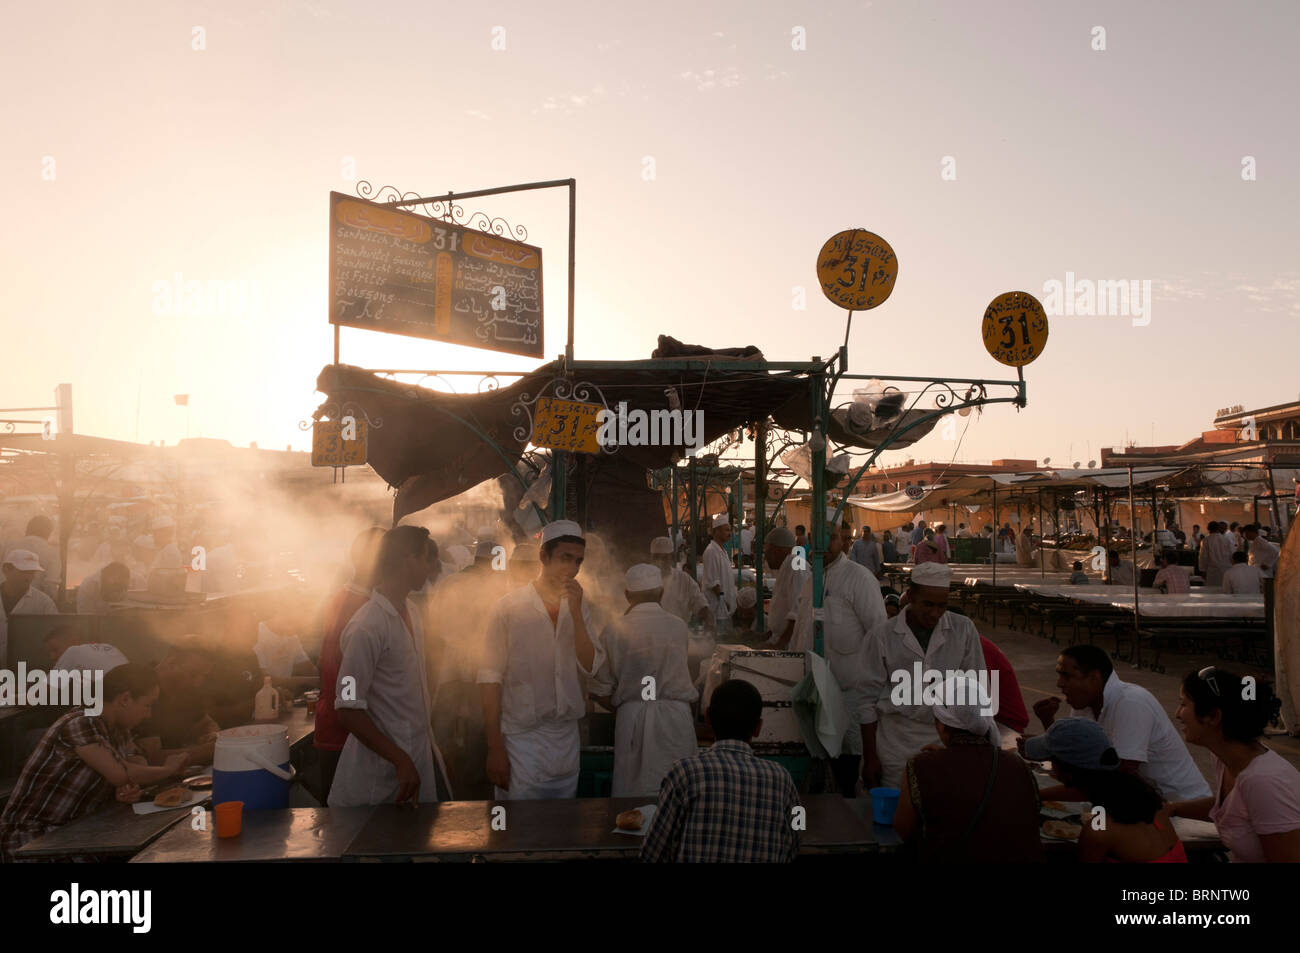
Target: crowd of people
(469,678)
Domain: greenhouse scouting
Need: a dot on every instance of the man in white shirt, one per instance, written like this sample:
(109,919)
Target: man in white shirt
(781,555)
(1263,554)
(164,542)
(852,607)
(382,692)
(538,646)
(17,594)
(1121,572)
(718,581)
(925,633)
(747,544)
(1242,579)
(682,596)
(1145,739)
(37,541)
(963,532)
(1215,557)
(101,590)
(1234,537)
(644,678)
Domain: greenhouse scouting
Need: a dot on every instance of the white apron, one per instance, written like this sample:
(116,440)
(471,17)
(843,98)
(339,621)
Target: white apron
(543,763)
(648,738)
(899,737)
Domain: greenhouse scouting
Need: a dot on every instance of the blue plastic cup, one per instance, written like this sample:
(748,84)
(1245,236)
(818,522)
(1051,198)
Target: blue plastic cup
(884,802)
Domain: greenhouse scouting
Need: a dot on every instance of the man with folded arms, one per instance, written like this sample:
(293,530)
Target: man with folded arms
(537,645)
(925,632)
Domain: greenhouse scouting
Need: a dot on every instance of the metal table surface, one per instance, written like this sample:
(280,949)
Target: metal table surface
(296,833)
(114,831)
(570,829)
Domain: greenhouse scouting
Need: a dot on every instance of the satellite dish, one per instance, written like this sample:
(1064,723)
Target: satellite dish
(1092,464)
(1046,460)
(1076,464)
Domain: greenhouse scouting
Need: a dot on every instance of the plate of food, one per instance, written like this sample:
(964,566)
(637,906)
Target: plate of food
(200,782)
(1061,830)
(169,798)
(1060,810)
(635,821)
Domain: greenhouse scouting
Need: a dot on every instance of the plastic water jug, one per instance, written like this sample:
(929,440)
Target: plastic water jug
(251,764)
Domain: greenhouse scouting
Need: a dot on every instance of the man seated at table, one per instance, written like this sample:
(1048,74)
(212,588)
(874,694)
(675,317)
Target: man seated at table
(1172,579)
(538,645)
(100,590)
(180,720)
(1243,579)
(84,760)
(382,696)
(1121,572)
(726,805)
(1078,577)
(645,680)
(1137,724)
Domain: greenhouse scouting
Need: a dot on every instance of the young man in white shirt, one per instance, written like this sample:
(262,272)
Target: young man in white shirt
(538,645)
(1140,730)
(18,594)
(719,578)
(382,695)
(1263,554)
(645,680)
(682,596)
(779,553)
(924,633)
(852,607)
(1242,579)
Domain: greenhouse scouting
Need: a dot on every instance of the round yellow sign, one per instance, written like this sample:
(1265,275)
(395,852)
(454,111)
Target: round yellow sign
(1015,328)
(857,269)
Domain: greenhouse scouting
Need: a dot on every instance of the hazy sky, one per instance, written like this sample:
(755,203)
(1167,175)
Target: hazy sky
(216,164)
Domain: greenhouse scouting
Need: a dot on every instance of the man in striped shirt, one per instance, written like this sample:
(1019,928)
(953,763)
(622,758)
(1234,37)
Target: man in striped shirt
(726,805)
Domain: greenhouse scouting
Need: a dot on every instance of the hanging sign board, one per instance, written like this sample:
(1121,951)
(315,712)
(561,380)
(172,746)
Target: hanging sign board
(857,269)
(402,273)
(329,449)
(569,425)
(1014,328)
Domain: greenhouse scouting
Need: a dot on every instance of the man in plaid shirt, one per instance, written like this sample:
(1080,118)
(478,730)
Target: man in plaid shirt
(726,805)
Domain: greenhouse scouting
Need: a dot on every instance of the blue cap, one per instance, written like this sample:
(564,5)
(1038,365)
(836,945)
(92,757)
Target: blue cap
(1078,742)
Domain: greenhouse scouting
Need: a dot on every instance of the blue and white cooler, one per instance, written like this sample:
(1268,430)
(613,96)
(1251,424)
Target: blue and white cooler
(251,764)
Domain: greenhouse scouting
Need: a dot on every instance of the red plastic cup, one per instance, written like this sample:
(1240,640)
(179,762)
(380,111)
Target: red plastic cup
(230,818)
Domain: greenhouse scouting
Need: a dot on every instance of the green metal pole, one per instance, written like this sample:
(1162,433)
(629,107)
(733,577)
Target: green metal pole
(559,488)
(740,525)
(760,516)
(818,528)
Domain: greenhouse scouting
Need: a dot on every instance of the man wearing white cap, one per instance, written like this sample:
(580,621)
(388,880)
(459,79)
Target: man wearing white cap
(719,577)
(37,541)
(17,594)
(852,607)
(682,596)
(164,541)
(538,644)
(924,637)
(778,550)
(645,679)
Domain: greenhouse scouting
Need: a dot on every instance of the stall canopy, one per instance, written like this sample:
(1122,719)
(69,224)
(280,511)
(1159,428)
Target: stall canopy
(433,445)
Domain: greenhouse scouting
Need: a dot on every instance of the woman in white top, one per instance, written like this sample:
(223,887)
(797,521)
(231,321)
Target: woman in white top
(1256,804)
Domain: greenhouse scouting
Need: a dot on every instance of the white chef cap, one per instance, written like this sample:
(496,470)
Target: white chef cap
(721,520)
(962,708)
(460,556)
(747,597)
(937,575)
(643,578)
(561,528)
(23,560)
(661,546)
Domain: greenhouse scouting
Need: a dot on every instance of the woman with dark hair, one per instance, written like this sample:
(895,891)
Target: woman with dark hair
(1136,828)
(1256,804)
(84,758)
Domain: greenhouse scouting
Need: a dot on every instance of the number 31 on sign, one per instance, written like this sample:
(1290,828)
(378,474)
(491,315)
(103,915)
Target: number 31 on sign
(1014,328)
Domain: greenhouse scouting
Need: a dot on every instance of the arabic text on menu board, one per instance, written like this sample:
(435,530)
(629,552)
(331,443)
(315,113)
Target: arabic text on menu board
(402,273)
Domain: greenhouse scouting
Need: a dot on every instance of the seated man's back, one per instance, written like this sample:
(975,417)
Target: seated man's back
(726,805)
